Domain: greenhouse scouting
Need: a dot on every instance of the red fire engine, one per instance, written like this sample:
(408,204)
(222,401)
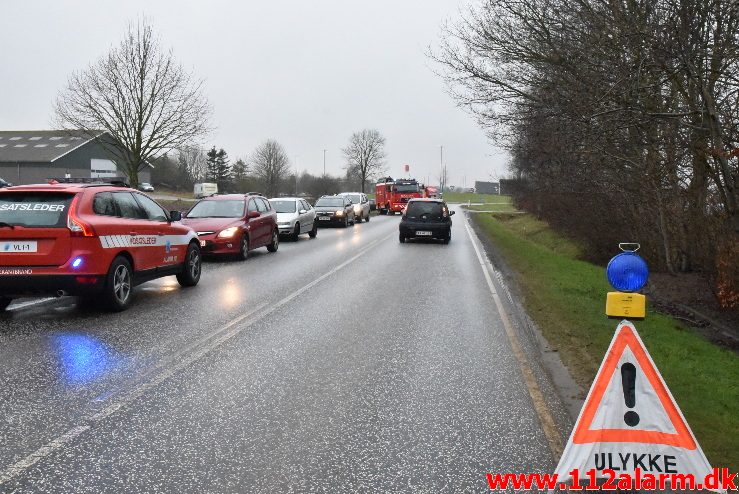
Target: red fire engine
(392,195)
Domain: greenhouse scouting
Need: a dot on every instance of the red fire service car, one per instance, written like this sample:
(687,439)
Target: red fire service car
(391,196)
(97,240)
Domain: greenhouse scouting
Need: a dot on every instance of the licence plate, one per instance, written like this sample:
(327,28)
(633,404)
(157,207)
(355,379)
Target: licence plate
(18,247)
(423,234)
(324,218)
(202,243)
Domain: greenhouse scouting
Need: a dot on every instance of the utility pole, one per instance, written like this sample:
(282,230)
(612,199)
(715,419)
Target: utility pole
(324,163)
(441,165)
(297,166)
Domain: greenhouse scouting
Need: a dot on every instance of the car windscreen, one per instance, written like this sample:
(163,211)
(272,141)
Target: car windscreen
(35,209)
(217,209)
(284,206)
(330,202)
(355,198)
(406,188)
(424,210)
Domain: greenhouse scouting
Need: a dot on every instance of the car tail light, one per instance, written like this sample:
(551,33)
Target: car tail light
(86,280)
(78,227)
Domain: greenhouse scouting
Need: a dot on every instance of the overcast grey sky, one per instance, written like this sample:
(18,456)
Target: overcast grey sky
(305,73)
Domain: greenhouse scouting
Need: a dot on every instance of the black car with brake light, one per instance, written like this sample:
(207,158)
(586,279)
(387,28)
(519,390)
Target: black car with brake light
(426,218)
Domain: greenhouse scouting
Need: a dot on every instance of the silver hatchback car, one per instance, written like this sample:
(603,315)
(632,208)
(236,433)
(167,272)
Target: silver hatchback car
(295,216)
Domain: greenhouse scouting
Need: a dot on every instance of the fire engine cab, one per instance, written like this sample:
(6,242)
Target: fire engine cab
(391,195)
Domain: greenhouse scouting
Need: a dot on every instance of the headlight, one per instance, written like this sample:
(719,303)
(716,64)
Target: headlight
(339,213)
(228,232)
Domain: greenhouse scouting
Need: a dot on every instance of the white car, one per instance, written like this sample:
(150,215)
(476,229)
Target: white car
(295,216)
(361,205)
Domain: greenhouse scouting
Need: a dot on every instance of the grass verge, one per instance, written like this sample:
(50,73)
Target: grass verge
(472,197)
(566,298)
(176,205)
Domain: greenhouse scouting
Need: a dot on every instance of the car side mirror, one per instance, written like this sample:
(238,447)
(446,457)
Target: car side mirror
(175,216)
(451,213)
(252,214)
(302,211)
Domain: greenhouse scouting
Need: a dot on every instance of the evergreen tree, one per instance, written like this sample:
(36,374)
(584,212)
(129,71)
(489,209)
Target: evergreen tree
(211,165)
(223,167)
(239,170)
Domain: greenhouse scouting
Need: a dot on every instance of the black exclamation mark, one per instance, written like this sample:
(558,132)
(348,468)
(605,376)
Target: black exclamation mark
(628,381)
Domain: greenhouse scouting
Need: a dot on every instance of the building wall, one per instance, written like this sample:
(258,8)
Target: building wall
(76,163)
(487,187)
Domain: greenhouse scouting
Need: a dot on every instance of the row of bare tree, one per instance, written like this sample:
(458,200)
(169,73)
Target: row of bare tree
(266,170)
(140,96)
(622,118)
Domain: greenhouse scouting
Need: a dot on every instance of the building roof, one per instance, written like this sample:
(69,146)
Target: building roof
(40,146)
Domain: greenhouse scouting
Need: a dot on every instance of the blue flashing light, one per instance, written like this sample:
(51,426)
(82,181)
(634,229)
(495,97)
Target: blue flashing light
(77,262)
(627,272)
(83,358)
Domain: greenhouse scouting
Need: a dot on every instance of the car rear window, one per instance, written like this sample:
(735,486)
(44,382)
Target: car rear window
(35,209)
(424,210)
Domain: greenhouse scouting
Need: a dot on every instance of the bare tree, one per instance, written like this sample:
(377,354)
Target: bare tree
(139,95)
(598,101)
(192,163)
(365,155)
(270,166)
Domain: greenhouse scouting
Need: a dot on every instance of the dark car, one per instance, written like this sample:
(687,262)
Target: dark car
(337,210)
(234,224)
(426,218)
(373,205)
(3,183)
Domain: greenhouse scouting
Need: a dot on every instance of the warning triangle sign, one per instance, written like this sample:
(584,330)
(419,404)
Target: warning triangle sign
(630,420)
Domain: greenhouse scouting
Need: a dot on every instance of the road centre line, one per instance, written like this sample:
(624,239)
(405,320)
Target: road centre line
(199,349)
(548,424)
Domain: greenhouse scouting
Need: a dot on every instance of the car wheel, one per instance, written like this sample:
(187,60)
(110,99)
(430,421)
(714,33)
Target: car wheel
(244,250)
(118,285)
(448,237)
(314,231)
(296,232)
(401,238)
(275,244)
(4,303)
(192,267)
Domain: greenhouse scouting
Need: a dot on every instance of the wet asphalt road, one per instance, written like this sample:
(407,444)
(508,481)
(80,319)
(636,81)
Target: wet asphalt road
(347,363)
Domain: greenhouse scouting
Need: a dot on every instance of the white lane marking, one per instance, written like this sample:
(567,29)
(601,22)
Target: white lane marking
(549,426)
(30,303)
(207,344)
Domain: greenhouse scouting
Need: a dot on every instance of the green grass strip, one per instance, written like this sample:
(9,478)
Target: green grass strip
(566,298)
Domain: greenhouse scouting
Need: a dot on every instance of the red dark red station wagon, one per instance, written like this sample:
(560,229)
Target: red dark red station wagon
(234,224)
